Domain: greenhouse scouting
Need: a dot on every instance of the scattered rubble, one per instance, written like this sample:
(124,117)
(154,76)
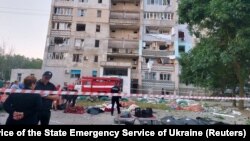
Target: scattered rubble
(180,112)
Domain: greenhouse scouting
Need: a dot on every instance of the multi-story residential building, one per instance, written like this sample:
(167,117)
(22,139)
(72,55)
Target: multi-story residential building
(158,61)
(137,40)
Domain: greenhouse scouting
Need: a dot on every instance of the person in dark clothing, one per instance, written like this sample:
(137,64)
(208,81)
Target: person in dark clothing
(23,109)
(162,91)
(115,99)
(70,99)
(44,84)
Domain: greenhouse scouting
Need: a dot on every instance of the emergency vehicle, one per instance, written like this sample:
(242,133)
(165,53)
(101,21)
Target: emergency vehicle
(99,84)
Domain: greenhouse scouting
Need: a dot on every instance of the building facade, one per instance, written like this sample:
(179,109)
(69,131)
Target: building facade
(137,40)
(20,74)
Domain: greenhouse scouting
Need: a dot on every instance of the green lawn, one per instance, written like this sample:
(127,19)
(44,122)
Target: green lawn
(142,105)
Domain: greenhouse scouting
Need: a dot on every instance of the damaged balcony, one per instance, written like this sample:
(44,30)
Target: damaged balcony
(59,44)
(157,49)
(60,33)
(124,19)
(159,34)
(62,48)
(158,38)
(153,53)
(158,67)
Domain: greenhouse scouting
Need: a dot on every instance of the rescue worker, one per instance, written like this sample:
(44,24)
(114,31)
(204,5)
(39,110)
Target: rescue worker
(45,84)
(115,99)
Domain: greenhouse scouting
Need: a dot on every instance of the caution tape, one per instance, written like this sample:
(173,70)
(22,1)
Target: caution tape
(121,94)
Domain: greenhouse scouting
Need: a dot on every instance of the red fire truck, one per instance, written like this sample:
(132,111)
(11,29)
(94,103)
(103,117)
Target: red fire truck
(100,84)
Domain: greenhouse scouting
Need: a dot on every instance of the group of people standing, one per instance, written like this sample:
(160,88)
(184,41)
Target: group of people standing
(30,109)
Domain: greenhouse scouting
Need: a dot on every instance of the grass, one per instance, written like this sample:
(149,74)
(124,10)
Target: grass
(205,105)
(86,103)
(153,106)
(248,122)
(220,117)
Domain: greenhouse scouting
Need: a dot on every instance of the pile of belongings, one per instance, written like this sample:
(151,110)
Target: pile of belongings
(94,110)
(144,113)
(170,120)
(74,110)
(187,105)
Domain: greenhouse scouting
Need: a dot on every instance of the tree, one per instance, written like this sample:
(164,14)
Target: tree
(207,70)
(227,23)
(10,61)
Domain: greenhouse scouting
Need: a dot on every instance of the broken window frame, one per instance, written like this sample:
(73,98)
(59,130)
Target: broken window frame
(61,26)
(64,41)
(77,58)
(81,12)
(56,56)
(80,27)
(79,42)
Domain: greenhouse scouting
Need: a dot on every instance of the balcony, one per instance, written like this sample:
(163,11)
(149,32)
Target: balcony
(58,48)
(126,44)
(160,23)
(60,33)
(159,67)
(64,3)
(158,38)
(158,84)
(123,52)
(153,53)
(124,19)
(128,7)
(61,18)
(161,8)
(116,64)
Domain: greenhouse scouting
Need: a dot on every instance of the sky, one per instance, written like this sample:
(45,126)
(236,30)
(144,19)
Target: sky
(24,26)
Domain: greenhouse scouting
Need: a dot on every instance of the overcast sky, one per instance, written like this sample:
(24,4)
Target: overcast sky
(24,25)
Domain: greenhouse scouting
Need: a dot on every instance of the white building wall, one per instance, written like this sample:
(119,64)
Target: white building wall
(24,73)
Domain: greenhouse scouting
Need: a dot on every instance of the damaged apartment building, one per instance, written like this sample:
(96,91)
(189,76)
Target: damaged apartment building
(137,40)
